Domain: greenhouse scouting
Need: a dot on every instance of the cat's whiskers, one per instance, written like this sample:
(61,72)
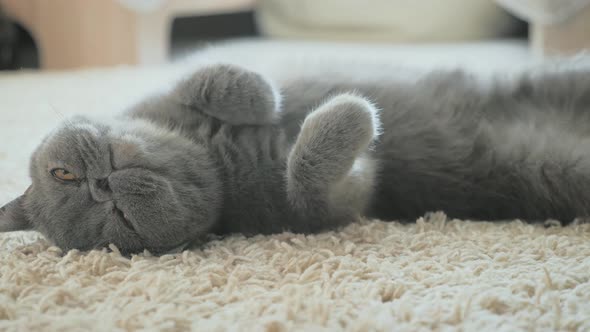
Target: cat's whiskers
(66,121)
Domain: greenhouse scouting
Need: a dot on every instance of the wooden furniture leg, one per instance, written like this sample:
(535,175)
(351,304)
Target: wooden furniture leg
(565,38)
(76,33)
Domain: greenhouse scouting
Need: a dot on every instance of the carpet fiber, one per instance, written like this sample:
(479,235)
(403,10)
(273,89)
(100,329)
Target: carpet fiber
(372,275)
(433,274)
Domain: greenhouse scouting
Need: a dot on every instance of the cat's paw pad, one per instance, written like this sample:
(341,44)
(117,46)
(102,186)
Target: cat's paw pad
(230,93)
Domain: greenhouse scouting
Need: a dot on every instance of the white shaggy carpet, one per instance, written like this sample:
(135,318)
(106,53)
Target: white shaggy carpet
(436,274)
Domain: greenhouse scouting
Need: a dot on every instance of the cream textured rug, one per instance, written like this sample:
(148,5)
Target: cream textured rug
(435,274)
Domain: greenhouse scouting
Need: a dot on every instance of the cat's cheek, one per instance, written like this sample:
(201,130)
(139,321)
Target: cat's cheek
(157,217)
(159,222)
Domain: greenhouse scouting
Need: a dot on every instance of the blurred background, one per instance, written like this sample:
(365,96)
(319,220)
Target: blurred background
(66,34)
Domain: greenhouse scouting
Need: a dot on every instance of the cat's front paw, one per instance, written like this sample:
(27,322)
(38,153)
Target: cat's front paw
(331,138)
(347,119)
(230,93)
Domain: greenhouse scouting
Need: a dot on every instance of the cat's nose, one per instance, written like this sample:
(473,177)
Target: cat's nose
(101,190)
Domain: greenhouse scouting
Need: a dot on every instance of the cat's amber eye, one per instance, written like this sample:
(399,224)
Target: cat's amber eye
(63,174)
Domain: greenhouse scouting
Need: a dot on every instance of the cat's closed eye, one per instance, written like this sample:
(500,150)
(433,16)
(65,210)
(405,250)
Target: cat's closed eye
(63,174)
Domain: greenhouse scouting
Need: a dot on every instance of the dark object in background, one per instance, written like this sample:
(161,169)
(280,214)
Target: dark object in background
(192,32)
(17,47)
(7,42)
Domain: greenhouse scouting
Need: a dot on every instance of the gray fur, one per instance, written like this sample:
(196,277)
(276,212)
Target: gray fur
(230,94)
(221,153)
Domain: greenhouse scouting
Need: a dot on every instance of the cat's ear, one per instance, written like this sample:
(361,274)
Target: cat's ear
(13,217)
(231,94)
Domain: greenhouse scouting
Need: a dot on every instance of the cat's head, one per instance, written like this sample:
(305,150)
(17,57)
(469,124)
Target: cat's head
(130,184)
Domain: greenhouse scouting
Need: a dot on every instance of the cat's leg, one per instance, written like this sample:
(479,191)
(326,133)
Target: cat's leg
(229,93)
(328,175)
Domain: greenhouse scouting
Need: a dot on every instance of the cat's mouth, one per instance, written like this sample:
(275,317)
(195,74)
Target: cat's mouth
(122,217)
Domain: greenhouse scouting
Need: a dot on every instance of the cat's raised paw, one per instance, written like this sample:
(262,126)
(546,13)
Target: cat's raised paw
(331,139)
(230,93)
(353,119)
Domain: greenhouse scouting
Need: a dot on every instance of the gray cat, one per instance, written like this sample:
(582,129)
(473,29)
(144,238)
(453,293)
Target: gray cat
(224,152)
